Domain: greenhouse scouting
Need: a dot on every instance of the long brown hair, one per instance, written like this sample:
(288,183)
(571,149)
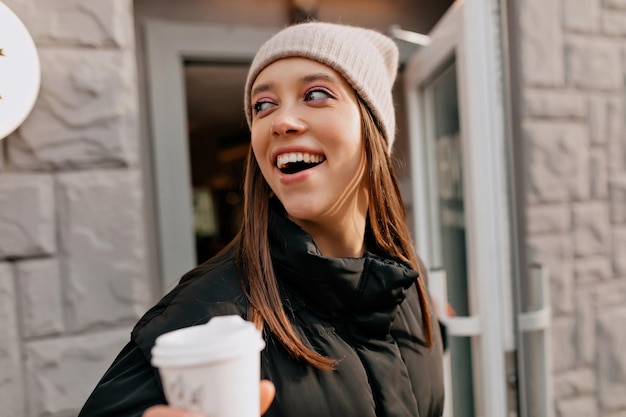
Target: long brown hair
(386,228)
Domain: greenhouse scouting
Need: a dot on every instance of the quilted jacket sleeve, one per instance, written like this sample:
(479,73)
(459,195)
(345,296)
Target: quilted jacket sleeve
(127,389)
(131,385)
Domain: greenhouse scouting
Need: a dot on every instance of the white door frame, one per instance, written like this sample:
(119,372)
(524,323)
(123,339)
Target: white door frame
(168,44)
(469,33)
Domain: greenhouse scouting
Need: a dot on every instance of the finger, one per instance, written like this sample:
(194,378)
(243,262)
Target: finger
(450,311)
(268,391)
(165,411)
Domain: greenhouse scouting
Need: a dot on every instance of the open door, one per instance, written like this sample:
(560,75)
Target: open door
(183,203)
(460,202)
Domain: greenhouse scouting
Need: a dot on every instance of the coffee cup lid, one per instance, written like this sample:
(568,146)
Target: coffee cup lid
(222,338)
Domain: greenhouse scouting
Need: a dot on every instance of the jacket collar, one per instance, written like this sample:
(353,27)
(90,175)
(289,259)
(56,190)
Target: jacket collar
(337,288)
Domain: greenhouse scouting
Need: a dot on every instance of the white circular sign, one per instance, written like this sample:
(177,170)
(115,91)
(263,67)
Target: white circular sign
(19,72)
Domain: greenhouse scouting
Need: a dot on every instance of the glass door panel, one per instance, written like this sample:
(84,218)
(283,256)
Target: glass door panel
(448,235)
(459,200)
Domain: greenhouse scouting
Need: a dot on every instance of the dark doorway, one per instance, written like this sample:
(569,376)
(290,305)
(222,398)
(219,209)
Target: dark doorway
(218,144)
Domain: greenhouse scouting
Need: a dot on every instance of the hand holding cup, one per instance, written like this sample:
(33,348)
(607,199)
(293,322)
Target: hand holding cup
(213,368)
(267,396)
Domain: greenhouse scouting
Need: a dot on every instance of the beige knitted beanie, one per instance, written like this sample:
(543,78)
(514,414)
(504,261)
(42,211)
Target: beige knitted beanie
(367,59)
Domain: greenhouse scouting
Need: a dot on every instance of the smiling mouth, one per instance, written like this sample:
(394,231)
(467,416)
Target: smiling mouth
(294,162)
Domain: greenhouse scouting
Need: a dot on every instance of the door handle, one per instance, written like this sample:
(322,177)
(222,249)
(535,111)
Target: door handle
(535,320)
(459,326)
(464,326)
(536,347)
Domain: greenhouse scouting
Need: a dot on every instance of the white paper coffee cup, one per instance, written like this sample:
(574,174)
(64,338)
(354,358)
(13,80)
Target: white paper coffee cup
(213,368)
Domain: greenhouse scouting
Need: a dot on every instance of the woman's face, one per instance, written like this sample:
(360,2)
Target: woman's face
(307,139)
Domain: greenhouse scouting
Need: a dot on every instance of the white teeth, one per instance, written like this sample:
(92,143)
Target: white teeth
(286,158)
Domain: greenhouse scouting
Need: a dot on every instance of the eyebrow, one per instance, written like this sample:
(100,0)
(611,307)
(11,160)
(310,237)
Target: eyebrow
(303,80)
(260,89)
(316,77)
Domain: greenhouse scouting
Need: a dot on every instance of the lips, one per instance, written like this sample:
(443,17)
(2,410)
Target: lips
(294,162)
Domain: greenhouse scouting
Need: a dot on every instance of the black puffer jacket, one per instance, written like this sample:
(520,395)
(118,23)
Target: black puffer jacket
(363,311)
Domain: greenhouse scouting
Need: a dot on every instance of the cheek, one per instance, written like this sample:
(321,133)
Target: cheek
(257,141)
(259,150)
(357,144)
(354,134)
(353,126)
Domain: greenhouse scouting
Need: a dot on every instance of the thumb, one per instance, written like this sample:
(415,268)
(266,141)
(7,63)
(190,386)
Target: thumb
(268,391)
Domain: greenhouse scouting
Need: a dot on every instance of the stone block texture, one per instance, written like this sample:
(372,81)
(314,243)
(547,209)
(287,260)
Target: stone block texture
(27,223)
(619,249)
(617,193)
(85,116)
(574,383)
(557,161)
(614,23)
(593,64)
(598,174)
(606,118)
(577,407)
(73,263)
(93,23)
(591,228)
(554,104)
(592,270)
(41,306)
(573,118)
(103,260)
(12,395)
(62,372)
(614,4)
(582,16)
(2,158)
(544,219)
(541,41)
(612,359)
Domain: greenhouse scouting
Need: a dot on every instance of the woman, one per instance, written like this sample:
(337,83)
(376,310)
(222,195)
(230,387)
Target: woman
(323,262)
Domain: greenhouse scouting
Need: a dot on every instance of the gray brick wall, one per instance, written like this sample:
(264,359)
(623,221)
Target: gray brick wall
(573,70)
(12,392)
(73,251)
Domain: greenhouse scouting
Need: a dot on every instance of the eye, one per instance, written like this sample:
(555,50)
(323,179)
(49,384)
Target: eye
(261,105)
(317,94)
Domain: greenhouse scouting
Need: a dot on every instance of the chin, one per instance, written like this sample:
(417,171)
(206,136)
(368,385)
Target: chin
(301,212)
(302,215)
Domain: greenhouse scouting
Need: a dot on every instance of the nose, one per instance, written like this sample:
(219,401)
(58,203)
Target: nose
(287,123)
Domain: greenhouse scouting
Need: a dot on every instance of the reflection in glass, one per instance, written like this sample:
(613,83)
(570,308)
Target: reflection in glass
(449,233)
